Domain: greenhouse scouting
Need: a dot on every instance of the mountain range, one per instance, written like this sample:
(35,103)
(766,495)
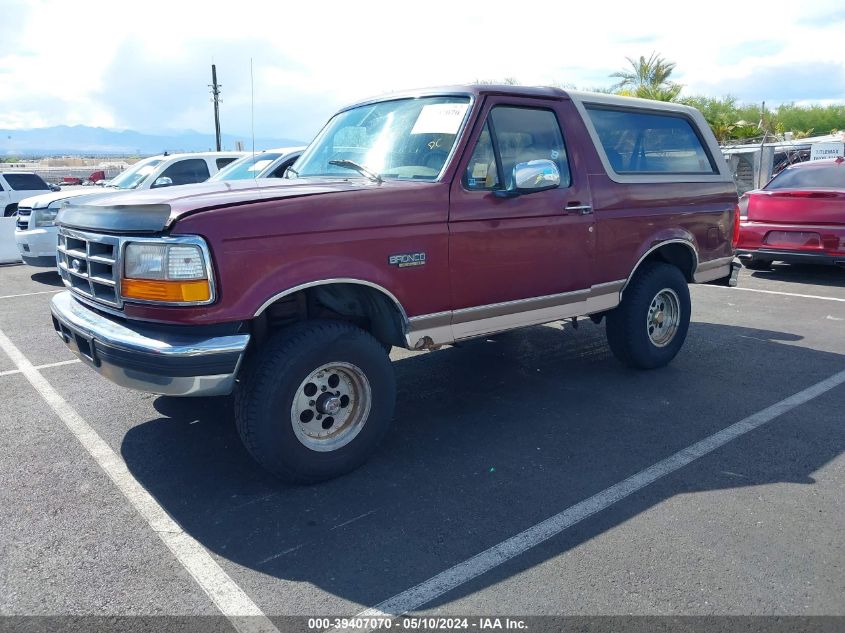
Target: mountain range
(97,141)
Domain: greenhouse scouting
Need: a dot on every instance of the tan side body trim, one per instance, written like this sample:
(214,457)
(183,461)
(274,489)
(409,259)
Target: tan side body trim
(448,327)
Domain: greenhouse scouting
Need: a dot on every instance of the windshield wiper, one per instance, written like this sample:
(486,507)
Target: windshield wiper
(351,164)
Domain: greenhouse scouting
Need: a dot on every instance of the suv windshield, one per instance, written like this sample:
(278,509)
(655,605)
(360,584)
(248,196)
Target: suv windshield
(404,138)
(246,167)
(829,176)
(135,175)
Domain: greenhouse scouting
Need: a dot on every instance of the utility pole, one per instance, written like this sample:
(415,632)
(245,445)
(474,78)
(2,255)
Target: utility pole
(215,91)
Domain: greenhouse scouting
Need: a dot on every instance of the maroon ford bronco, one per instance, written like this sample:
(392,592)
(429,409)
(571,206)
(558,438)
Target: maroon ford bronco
(414,220)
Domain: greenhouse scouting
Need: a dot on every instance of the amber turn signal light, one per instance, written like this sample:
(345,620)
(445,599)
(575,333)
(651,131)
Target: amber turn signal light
(170,291)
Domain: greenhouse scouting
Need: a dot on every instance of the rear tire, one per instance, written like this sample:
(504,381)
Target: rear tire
(754,263)
(316,401)
(649,327)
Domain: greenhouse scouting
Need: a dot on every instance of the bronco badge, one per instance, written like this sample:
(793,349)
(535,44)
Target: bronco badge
(404,260)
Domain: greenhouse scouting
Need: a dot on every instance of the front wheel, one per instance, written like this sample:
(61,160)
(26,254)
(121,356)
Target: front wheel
(316,401)
(649,327)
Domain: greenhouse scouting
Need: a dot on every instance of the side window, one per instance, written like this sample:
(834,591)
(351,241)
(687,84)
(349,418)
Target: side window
(222,162)
(482,170)
(637,142)
(26,182)
(279,172)
(187,171)
(518,135)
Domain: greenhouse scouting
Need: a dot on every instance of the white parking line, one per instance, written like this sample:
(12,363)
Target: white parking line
(9,372)
(774,292)
(29,294)
(232,601)
(462,573)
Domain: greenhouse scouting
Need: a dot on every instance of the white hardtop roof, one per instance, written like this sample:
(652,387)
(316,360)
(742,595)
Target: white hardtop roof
(602,98)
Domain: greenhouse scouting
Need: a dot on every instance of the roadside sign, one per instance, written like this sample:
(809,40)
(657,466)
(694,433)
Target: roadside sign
(819,151)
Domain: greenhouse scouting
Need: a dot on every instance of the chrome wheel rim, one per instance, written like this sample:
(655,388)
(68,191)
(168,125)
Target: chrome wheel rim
(664,316)
(331,406)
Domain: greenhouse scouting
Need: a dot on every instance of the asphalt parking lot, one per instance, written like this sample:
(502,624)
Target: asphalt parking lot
(645,504)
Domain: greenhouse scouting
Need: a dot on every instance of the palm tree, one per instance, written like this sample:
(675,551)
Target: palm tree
(648,78)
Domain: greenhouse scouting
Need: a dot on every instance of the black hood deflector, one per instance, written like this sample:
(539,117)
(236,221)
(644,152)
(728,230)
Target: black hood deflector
(129,219)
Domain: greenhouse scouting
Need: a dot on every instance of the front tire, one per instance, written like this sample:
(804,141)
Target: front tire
(316,401)
(649,327)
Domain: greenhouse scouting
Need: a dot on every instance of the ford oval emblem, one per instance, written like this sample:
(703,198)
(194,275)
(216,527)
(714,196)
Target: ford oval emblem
(75,265)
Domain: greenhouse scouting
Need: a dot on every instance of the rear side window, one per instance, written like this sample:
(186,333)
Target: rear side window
(187,171)
(26,182)
(222,162)
(637,142)
(827,177)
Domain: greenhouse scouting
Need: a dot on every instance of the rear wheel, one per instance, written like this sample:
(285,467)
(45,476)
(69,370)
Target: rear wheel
(316,401)
(755,263)
(649,327)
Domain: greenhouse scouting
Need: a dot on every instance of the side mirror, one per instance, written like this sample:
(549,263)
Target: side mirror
(530,177)
(535,175)
(162,181)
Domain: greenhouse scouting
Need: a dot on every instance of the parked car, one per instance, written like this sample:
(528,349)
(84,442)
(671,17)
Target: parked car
(35,231)
(17,185)
(167,170)
(271,163)
(798,217)
(415,220)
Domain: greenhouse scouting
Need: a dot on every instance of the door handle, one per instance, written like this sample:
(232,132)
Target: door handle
(580,209)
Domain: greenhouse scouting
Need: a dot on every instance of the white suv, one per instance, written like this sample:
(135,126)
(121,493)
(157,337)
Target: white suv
(35,231)
(17,185)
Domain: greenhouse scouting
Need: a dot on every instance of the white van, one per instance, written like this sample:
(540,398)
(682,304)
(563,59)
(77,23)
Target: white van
(35,231)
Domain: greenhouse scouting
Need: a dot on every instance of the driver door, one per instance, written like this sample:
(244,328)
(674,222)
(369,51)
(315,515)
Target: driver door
(516,260)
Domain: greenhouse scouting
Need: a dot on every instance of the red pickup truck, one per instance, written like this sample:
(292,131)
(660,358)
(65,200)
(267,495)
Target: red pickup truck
(413,220)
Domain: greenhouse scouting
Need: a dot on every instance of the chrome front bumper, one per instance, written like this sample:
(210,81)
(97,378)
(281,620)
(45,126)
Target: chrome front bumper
(148,358)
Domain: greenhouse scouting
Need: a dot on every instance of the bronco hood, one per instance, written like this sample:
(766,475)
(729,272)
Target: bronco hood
(154,210)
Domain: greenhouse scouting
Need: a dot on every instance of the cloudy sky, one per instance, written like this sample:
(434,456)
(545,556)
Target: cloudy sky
(145,65)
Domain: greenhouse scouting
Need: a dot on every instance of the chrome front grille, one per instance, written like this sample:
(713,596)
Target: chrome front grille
(89,265)
(23,218)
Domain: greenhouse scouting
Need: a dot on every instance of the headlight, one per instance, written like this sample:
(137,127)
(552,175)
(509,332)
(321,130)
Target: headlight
(44,217)
(166,272)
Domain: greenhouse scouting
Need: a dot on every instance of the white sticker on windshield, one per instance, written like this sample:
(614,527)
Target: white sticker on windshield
(440,118)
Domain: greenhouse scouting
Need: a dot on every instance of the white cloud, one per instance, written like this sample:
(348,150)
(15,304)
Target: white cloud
(146,66)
